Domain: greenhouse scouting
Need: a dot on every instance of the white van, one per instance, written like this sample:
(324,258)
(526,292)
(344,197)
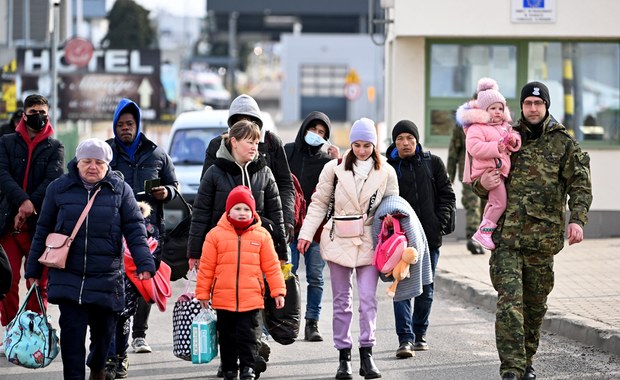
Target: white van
(189,138)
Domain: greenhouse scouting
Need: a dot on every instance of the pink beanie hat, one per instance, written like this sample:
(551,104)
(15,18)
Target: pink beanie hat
(488,93)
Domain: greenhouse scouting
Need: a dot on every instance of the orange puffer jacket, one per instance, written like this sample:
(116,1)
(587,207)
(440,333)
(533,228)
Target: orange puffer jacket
(232,267)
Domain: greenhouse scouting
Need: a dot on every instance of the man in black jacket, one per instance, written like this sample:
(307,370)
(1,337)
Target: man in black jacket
(272,151)
(139,160)
(424,183)
(306,160)
(30,159)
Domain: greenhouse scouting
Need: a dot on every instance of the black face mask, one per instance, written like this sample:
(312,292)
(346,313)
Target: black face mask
(36,121)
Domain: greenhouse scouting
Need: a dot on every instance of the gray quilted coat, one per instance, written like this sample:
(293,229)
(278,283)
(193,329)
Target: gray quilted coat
(420,272)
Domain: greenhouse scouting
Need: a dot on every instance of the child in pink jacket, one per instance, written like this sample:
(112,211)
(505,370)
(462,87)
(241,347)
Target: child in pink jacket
(490,140)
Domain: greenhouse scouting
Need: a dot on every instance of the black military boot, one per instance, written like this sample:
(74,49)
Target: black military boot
(344,368)
(529,374)
(312,331)
(368,369)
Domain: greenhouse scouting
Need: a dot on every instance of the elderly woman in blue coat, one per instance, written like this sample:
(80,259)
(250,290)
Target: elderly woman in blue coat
(89,291)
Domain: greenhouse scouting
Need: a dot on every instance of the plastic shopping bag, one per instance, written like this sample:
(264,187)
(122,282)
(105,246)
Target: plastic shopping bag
(204,337)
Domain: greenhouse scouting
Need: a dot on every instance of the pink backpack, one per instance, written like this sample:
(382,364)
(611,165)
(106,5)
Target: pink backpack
(390,247)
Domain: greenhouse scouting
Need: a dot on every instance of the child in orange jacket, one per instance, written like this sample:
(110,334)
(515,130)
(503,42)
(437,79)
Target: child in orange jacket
(235,255)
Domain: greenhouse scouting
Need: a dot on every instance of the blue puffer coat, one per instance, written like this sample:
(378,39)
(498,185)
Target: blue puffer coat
(94,269)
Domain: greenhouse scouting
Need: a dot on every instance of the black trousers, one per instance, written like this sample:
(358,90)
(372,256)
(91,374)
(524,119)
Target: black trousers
(141,319)
(74,320)
(237,338)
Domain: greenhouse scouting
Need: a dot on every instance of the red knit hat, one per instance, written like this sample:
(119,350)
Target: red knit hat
(240,194)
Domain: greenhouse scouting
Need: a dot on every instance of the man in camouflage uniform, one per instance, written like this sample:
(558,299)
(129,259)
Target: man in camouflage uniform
(549,169)
(471,202)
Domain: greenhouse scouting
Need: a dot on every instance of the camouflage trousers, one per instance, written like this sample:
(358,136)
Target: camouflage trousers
(523,280)
(471,204)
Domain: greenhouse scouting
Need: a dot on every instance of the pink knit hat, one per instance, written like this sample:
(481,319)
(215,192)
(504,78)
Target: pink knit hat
(488,93)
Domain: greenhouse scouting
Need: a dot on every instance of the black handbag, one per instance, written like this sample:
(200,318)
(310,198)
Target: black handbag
(175,246)
(283,324)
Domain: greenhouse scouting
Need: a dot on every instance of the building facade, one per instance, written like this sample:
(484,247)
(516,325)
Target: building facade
(435,55)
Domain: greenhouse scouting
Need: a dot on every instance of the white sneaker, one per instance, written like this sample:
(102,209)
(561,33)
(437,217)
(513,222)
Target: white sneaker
(140,346)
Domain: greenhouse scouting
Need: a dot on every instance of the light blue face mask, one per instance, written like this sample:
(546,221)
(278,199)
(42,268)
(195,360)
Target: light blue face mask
(313,139)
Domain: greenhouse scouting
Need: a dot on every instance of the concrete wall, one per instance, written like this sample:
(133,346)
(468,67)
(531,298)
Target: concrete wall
(356,51)
(484,18)
(406,72)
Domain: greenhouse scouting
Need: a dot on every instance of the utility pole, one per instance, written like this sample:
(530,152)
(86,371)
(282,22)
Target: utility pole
(232,52)
(55,29)
(26,26)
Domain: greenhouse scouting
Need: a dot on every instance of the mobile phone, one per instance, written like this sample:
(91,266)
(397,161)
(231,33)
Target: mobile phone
(150,184)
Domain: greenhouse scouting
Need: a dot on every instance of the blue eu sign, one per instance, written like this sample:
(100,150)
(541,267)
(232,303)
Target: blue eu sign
(533,3)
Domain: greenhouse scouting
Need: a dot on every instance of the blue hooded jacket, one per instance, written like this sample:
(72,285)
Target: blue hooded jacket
(127,105)
(142,160)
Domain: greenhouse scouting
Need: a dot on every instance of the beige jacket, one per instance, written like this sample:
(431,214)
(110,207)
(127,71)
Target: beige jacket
(356,251)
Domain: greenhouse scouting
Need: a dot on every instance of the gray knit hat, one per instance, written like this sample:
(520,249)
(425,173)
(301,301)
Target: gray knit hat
(94,148)
(247,106)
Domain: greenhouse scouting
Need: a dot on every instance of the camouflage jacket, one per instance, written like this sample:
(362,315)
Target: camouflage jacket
(456,154)
(545,172)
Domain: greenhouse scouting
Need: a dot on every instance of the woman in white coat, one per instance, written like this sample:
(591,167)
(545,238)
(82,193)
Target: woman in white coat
(357,185)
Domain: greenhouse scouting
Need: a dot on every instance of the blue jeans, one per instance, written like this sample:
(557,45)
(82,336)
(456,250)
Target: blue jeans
(411,324)
(314,276)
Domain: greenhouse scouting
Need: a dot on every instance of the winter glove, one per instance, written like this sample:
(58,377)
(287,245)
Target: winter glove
(289,229)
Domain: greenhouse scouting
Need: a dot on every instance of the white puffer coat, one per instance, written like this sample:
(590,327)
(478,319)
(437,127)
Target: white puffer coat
(356,251)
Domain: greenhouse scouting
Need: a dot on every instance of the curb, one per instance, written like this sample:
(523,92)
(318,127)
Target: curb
(583,330)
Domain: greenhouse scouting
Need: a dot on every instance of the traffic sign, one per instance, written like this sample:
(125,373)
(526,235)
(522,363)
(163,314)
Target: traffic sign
(79,51)
(352,91)
(352,77)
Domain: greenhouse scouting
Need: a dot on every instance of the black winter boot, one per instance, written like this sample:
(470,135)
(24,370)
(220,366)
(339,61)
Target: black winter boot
(312,331)
(368,369)
(344,368)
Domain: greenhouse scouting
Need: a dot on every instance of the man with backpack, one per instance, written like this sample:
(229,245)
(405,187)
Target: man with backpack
(424,183)
(306,160)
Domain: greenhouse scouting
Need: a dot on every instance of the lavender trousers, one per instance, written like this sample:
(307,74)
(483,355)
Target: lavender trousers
(342,292)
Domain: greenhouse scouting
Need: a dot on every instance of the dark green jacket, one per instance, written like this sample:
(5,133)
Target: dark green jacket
(547,172)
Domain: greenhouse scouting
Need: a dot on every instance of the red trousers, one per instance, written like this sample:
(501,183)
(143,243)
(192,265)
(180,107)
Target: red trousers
(17,248)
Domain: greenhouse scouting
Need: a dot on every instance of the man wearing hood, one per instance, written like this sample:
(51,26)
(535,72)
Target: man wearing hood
(306,160)
(424,183)
(549,170)
(271,151)
(139,159)
(30,159)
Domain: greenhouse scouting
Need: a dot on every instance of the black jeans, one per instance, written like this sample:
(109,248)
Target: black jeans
(74,320)
(237,333)
(141,319)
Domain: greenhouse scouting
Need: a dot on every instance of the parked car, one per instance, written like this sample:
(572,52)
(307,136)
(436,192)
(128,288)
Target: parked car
(200,89)
(189,138)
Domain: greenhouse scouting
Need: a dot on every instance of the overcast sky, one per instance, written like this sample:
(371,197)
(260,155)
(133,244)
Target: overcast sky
(194,8)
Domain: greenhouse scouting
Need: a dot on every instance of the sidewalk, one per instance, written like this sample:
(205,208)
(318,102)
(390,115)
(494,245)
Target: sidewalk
(584,304)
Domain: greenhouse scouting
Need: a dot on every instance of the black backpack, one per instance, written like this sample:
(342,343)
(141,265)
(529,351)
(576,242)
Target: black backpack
(174,251)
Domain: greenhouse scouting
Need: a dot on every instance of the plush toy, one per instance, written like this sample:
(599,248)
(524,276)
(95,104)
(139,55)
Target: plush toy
(401,270)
